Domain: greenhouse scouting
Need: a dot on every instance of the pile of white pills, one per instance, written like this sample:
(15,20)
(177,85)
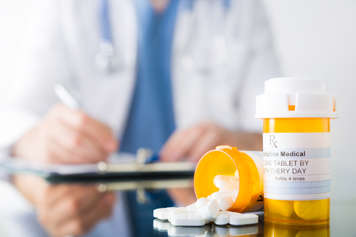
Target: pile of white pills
(210,209)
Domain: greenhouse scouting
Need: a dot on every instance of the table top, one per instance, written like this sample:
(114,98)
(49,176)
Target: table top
(138,198)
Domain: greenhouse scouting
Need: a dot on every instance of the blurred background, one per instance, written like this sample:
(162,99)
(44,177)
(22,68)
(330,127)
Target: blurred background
(315,38)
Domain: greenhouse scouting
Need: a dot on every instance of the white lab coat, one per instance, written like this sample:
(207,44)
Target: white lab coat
(218,67)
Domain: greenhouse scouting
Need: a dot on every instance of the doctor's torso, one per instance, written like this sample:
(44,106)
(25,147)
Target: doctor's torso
(221,52)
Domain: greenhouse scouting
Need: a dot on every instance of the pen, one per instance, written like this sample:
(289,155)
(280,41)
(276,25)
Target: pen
(66,97)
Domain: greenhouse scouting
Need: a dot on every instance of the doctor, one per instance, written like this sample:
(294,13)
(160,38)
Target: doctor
(178,77)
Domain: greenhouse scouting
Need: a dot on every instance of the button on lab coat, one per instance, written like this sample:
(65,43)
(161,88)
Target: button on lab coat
(221,58)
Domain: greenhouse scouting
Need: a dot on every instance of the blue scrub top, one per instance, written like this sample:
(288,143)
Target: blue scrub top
(151,117)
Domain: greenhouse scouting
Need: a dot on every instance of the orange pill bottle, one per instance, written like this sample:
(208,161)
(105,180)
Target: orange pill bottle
(296,117)
(246,166)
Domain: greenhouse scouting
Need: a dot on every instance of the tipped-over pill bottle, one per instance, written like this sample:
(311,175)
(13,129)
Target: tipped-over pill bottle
(296,117)
(246,166)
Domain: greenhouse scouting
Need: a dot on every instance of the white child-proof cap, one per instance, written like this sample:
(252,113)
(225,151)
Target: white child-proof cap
(287,97)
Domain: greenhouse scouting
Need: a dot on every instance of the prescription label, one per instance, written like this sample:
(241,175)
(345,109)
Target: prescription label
(296,166)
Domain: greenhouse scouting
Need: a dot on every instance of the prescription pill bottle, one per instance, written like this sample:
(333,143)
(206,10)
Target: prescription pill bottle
(296,144)
(246,166)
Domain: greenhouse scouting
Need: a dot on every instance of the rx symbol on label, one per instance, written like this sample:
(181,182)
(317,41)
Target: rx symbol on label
(273,141)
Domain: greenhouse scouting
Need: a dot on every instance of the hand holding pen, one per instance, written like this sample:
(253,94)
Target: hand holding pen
(66,135)
(67,98)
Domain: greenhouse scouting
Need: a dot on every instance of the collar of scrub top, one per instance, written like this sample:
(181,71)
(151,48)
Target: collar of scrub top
(106,58)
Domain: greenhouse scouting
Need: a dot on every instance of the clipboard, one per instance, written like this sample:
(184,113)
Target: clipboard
(121,166)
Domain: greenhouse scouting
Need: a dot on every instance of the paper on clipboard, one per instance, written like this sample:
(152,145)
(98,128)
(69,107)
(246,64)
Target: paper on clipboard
(13,165)
(118,164)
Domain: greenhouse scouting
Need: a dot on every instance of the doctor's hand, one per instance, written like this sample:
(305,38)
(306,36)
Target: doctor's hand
(63,209)
(66,135)
(193,142)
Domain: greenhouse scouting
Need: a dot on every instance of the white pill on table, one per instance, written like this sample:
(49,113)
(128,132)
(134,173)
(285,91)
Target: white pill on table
(222,218)
(242,219)
(186,218)
(162,213)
